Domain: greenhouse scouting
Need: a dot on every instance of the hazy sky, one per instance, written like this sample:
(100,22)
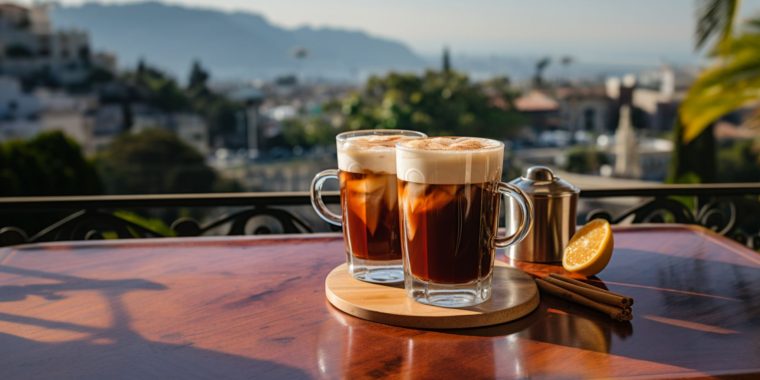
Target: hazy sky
(598,30)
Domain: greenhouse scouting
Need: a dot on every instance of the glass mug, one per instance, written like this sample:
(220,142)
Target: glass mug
(449,195)
(368,200)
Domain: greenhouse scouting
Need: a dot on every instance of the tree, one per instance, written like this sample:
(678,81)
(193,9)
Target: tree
(733,81)
(48,164)
(727,86)
(436,103)
(223,118)
(154,161)
(695,161)
(158,89)
(715,19)
(541,65)
(446,64)
(198,81)
(308,132)
(740,162)
(735,78)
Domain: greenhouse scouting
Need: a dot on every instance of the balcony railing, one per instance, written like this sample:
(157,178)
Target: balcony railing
(730,209)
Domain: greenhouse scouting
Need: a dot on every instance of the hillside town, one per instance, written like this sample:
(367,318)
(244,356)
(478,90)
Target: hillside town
(53,80)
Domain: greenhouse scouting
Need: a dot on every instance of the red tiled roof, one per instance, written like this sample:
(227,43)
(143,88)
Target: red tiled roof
(536,101)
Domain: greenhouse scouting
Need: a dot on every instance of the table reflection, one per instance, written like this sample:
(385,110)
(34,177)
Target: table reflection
(348,345)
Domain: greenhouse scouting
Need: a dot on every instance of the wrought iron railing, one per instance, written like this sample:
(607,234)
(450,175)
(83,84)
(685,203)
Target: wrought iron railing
(730,209)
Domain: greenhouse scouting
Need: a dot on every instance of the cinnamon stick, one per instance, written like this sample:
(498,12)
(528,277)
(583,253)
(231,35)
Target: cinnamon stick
(616,313)
(599,294)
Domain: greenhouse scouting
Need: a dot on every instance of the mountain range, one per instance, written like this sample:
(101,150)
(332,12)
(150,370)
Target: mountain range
(232,45)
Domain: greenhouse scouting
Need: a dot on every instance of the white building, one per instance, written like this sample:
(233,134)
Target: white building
(14,102)
(189,127)
(69,114)
(586,109)
(29,46)
(19,111)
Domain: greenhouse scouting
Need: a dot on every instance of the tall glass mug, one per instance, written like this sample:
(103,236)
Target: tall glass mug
(449,194)
(369,207)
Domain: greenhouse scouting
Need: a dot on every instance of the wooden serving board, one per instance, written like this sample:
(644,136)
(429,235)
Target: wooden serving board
(514,295)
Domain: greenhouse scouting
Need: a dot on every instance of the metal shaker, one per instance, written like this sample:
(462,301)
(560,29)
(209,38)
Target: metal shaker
(555,203)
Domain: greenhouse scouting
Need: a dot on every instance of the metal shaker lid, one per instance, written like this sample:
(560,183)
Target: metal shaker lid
(541,181)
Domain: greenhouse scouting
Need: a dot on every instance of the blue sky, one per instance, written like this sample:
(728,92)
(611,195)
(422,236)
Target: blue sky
(592,30)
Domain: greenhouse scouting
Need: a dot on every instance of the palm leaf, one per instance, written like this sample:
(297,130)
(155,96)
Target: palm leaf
(715,18)
(731,84)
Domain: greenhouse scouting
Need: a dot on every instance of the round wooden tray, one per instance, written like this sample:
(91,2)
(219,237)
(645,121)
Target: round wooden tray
(514,295)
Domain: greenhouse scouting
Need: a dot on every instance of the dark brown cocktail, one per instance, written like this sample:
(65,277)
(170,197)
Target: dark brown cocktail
(449,230)
(449,195)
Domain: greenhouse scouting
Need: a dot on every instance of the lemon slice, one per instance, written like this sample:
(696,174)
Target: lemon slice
(590,249)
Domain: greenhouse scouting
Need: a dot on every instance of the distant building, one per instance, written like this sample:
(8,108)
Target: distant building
(30,48)
(189,127)
(586,109)
(541,109)
(70,114)
(15,103)
(19,111)
(658,94)
(252,98)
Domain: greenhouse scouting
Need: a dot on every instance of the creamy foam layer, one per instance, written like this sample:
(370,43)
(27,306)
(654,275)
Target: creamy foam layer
(375,153)
(449,160)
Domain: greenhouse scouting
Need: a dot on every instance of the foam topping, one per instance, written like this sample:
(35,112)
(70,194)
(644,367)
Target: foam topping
(451,143)
(450,160)
(374,153)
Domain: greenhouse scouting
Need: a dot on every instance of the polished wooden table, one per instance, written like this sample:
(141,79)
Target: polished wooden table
(255,308)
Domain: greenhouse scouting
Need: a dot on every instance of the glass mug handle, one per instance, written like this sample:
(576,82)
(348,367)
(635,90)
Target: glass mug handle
(316,197)
(526,211)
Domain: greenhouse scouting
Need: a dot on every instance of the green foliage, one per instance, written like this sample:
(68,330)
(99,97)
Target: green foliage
(727,86)
(220,113)
(48,164)
(731,83)
(541,65)
(154,161)
(740,162)
(715,18)
(437,103)
(158,89)
(153,224)
(585,160)
(693,161)
(197,82)
(100,75)
(308,132)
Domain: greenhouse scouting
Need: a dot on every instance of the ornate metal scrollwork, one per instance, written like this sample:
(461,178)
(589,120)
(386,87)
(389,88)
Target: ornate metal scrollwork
(718,214)
(95,224)
(729,209)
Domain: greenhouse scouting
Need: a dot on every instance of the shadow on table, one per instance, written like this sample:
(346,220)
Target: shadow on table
(112,352)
